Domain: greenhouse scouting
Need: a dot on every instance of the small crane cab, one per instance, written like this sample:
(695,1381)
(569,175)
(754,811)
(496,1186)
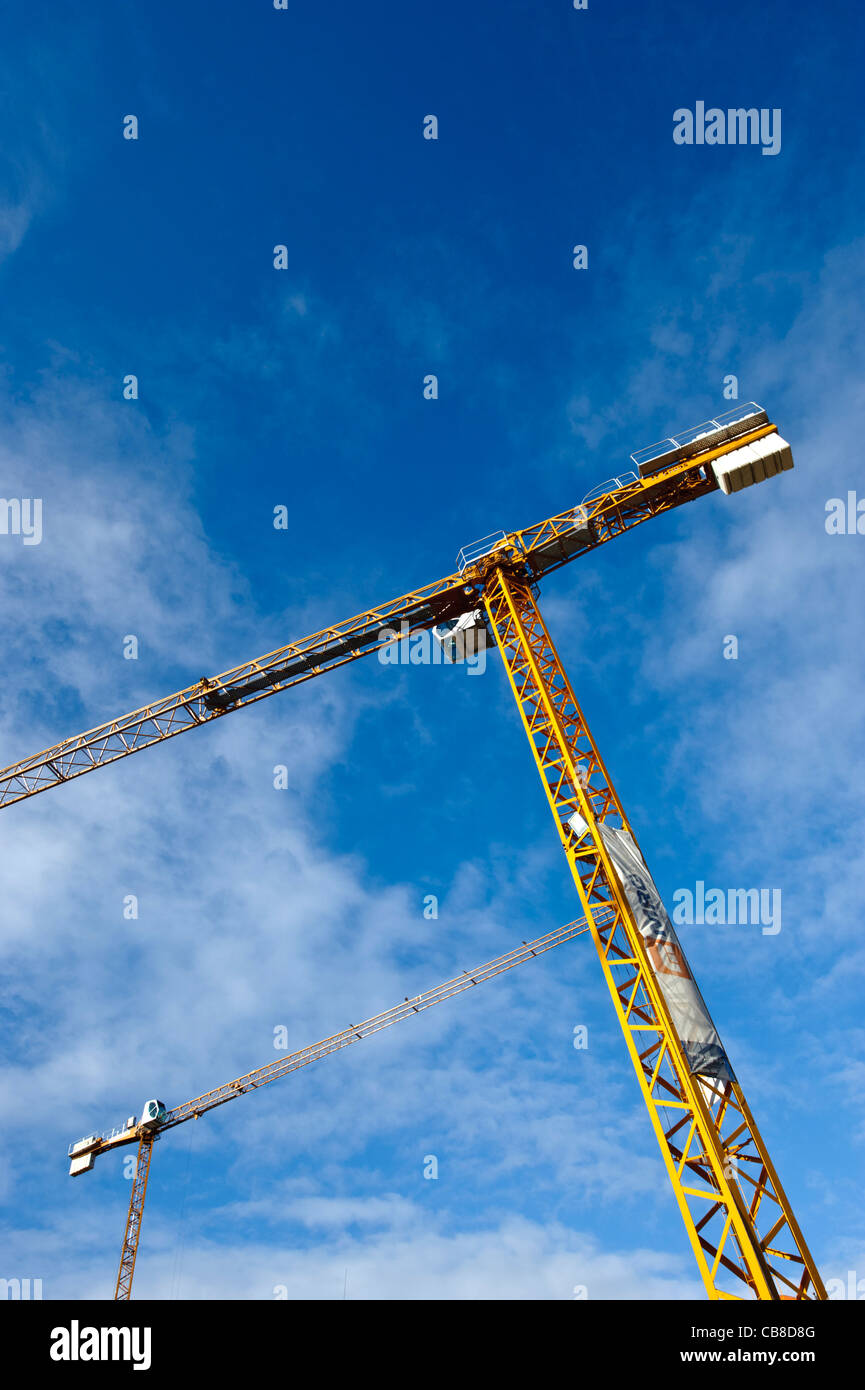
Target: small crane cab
(463,638)
(152,1114)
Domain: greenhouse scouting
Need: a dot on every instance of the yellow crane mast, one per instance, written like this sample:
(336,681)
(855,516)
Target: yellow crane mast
(738,1219)
(155,1119)
(740,1224)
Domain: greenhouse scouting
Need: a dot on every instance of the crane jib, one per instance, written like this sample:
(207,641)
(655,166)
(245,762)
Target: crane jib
(323,655)
(605,513)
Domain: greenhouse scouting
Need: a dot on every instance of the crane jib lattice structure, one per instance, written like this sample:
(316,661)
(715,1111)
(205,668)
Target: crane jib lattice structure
(742,1229)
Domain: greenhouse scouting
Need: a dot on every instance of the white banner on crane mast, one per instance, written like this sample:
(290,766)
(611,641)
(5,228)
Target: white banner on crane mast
(699,1037)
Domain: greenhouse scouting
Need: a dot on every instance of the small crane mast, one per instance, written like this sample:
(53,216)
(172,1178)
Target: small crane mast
(741,1227)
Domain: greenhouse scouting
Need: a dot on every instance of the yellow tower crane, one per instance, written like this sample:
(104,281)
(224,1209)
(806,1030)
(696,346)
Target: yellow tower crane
(742,1230)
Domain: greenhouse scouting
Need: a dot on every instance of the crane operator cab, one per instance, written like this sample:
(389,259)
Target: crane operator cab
(153,1114)
(464,638)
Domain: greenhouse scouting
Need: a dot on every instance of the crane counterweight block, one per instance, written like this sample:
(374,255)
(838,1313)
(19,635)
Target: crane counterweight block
(749,449)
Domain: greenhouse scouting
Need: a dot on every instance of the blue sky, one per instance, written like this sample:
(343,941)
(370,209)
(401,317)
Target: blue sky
(303,387)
